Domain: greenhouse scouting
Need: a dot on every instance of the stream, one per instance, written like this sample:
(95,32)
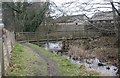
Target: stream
(90,64)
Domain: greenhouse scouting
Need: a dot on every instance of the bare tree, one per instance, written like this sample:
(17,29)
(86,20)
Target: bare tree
(24,16)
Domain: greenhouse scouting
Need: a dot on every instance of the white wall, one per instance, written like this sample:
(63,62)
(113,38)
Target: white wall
(70,27)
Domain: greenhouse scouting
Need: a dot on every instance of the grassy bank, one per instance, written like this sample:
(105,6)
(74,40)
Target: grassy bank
(24,62)
(65,66)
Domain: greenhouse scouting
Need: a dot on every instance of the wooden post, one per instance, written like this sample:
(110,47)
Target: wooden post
(37,34)
(47,37)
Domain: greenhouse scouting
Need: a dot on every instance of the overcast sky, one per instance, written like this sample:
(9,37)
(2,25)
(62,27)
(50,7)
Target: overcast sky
(71,10)
(75,8)
(59,2)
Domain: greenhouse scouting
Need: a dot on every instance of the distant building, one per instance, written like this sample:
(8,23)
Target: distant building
(71,23)
(102,17)
(102,21)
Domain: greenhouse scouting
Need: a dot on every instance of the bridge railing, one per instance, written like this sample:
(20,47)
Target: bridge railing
(54,35)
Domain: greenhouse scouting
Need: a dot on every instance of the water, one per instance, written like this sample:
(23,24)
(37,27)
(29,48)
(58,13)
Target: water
(90,64)
(53,46)
(93,65)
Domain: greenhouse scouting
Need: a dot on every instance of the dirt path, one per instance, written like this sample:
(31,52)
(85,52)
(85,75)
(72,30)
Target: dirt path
(51,65)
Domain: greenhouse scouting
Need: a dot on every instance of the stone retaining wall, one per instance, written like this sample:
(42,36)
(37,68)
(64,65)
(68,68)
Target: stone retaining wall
(8,44)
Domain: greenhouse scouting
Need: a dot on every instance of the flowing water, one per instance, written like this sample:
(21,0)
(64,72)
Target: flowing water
(90,64)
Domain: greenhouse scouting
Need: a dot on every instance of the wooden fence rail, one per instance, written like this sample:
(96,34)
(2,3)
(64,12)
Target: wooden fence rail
(53,36)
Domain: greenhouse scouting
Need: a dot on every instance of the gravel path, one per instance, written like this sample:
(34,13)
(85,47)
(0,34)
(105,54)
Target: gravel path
(51,65)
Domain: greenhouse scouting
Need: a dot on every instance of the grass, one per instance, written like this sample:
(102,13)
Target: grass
(65,66)
(24,62)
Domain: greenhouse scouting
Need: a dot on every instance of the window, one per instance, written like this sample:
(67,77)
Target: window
(112,21)
(76,23)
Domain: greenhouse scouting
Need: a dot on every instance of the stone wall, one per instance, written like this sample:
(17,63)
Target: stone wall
(8,44)
(1,26)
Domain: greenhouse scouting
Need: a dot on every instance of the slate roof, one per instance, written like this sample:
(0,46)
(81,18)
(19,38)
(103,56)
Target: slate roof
(68,19)
(108,15)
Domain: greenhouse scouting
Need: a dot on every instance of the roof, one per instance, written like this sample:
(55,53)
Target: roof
(108,15)
(68,19)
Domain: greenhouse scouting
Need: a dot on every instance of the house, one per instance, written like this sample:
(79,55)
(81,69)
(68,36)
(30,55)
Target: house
(102,17)
(65,26)
(102,21)
(71,23)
